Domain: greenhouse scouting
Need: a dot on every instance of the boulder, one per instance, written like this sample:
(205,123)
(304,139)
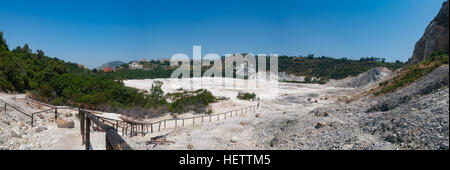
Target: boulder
(320,125)
(51,118)
(257,115)
(3,139)
(392,138)
(15,135)
(65,123)
(234,139)
(190,146)
(68,114)
(40,116)
(40,129)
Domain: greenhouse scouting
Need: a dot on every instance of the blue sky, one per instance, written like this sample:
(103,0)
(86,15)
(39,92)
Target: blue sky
(93,33)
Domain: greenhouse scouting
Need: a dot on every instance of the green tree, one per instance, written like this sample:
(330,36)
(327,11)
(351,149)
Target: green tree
(157,94)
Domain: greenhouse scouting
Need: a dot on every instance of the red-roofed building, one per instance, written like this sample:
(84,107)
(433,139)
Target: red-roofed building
(108,69)
(82,66)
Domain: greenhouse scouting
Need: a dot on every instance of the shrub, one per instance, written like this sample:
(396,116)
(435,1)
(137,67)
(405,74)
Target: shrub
(57,102)
(190,101)
(246,96)
(411,73)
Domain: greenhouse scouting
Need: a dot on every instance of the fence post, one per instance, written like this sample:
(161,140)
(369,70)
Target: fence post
(209,118)
(225,115)
(131,129)
(108,144)
(5,108)
(151,127)
(126,129)
(142,129)
(56,113)
(159,127)
(32,116)
(175,122)
(183,121)
(202,119)
(88,133)
(193,120)
(123,130)
(82,127)
(164,123)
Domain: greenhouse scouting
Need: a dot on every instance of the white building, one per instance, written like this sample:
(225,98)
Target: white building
(135,65)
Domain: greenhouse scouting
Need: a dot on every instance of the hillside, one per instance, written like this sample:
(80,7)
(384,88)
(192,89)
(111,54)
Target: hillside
(22,70)
(112,64)
(435,37)
(63,83)
(327,68)
(367,78)
(323,68)
(409,109)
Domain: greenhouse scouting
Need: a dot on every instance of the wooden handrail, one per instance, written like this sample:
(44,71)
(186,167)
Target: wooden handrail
(15,108)
(125,124)
(113,140)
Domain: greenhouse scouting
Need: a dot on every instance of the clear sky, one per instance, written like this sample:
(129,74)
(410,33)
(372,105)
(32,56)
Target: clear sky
(93,32)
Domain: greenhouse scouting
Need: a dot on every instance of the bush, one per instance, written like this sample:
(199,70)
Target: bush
(413,72)
(57,102)
(246,96)
(186,101)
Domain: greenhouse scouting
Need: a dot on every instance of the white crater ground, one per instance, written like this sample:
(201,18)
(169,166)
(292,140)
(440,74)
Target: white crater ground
(241,131)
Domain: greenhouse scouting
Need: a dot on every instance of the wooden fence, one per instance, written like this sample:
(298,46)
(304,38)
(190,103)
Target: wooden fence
(128,127)
(145,128)
(113,140)
(131,127)
(30,115)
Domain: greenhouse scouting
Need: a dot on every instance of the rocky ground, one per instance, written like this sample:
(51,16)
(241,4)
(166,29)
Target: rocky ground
(243,131)
(415,117)
(296,116)
(16,132)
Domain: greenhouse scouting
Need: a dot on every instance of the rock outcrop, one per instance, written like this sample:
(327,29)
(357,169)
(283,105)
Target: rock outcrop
(435,37)
(367,78)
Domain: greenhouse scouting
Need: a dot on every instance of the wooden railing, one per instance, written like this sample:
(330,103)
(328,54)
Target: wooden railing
(144,128)
(14,107)
(113,140)
(30,115)
(130,127)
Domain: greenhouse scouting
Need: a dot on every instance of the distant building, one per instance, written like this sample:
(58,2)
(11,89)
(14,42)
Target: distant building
(144,60)
(81,66)
(135,65)
(108,69)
